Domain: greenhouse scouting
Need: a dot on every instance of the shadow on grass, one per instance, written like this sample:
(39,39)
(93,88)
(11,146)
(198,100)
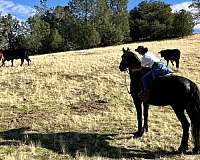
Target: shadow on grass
(89,144)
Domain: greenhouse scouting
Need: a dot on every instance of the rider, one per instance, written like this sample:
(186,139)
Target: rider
(158,68)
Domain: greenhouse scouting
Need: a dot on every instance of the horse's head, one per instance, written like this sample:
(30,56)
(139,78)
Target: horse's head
(129,60)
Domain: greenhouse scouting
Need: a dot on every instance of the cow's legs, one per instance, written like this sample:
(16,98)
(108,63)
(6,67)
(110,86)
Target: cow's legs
(22,61)
(12,62)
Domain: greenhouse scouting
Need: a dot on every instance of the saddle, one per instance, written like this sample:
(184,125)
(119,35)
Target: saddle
(145,94)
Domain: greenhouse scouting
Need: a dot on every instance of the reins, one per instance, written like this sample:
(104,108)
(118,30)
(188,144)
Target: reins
(126,82)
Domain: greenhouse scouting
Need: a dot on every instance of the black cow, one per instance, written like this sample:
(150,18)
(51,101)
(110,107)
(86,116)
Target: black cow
(7,55)
(171,55)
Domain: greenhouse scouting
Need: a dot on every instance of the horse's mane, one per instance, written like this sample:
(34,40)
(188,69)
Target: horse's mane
(133,55)
(134,58)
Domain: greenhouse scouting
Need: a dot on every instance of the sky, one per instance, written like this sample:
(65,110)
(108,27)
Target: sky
(22,9)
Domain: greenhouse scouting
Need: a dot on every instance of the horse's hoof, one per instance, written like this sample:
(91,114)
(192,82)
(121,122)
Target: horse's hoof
(196,150)
(137,134)
(183,149)
(145,129)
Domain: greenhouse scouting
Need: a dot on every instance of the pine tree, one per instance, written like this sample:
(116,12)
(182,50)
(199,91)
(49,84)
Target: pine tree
(183,23)
(39,40)
(11,32)
(151,20)
(196,14)
(111,19)
(82,9)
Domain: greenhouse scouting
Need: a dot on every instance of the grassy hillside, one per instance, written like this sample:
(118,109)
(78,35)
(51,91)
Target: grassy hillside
(74,105)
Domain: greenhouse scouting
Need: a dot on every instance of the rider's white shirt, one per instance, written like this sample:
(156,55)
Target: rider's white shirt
(148,59)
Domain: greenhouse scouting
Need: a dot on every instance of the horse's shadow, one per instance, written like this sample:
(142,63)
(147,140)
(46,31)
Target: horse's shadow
(90,144)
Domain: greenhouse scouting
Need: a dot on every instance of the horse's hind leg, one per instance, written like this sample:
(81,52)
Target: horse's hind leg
(145,115)
(185,125)
(195,124)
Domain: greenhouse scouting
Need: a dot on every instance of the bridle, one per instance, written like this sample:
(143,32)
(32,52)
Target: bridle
(125,79)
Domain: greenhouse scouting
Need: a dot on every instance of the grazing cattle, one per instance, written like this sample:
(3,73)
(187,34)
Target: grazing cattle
(7,55)
(171,55)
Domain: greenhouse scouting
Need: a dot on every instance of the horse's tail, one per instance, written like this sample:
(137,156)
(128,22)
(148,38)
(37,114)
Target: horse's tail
(193,111)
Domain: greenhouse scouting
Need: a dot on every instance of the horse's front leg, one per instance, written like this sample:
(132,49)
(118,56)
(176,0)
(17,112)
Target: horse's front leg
(138,106)
(145,114)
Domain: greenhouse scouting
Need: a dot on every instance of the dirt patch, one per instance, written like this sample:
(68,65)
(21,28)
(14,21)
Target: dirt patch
(88,107)
(27,120)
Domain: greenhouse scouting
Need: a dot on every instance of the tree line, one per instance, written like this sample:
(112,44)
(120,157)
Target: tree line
(83,24)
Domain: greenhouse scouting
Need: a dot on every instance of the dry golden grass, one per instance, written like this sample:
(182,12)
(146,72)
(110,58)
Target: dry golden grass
(75,105)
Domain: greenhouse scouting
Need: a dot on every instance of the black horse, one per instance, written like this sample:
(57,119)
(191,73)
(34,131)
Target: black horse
(179,92)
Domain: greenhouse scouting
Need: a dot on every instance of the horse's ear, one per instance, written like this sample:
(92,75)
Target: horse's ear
(128,49)
(123,49)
